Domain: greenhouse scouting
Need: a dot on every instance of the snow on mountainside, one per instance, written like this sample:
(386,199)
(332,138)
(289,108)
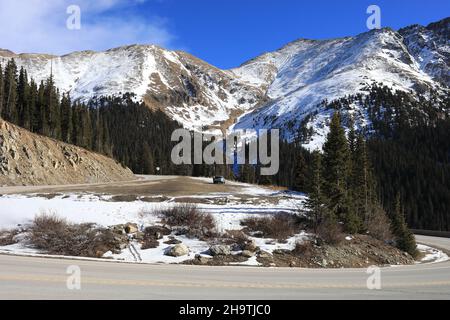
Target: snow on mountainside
(275,90)
(187,89)
(310,72)
(430,46)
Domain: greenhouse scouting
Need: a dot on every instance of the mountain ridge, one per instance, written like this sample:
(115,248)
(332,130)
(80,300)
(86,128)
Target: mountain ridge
(277,89)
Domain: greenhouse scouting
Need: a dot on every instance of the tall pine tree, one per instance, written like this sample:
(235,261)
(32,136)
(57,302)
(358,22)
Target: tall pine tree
(403,236)
(336,169)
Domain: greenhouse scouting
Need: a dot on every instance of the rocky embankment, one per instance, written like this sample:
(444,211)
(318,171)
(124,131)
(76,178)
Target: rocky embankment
(30,159)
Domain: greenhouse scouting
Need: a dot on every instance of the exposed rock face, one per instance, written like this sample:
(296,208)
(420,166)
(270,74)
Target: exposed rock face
(430,48)
(30,159)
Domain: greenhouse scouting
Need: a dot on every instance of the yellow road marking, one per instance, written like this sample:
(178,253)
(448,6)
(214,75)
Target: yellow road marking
(154,283)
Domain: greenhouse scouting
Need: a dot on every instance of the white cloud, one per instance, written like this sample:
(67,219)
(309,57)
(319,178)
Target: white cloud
(40,26)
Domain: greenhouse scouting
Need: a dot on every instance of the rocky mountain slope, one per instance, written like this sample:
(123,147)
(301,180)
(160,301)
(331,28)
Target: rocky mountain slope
(30,159)
(276,90)
(189,90)
(430,47)
(305,73)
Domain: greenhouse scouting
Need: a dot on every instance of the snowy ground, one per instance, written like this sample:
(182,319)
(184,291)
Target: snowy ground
(432,255)
(19,210)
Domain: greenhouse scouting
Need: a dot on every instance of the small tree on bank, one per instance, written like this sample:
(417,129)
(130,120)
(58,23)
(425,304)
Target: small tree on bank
(404,238)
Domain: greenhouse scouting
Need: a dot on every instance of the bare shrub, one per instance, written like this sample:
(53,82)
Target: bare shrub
(304,249)
(188,217)
(330,232)
(7,237)
(150,243)
(56,236)
(378,225)
(152,235)
(238,241)
(156,232)
(279,226)
(238,237)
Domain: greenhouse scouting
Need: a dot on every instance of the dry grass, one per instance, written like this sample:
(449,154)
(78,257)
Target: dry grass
(237,239)
(304,249)
(330,232)
(280,226)
(188,217)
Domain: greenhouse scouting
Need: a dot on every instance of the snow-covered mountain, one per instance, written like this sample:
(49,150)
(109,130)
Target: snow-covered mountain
(303,74)
(275,90)
(189,90)
(430,47)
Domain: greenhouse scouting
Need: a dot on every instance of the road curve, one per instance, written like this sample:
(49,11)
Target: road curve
(38,278)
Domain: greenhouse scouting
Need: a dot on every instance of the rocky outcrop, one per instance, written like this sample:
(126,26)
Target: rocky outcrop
(220,250)
(30,159)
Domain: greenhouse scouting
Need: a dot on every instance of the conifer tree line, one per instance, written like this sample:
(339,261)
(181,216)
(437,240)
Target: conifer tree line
(409,152)
(409,147)
(117,127)
(343,194)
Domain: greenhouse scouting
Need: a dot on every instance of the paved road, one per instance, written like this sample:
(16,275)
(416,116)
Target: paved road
(36,278)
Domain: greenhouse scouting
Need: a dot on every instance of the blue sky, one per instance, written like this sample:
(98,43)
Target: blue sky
(225,33)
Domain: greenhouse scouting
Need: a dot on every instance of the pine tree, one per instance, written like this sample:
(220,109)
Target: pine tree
(404,237)
(316,203)
(84,138)
(32,105)
(41,114)
(352,136)
(360,178)
(10,91)
(336,171)
(23,108)
(301,180)
(52,109)
(147,160)
(66,119)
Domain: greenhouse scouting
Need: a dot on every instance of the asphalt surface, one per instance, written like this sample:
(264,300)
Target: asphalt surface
(38,278)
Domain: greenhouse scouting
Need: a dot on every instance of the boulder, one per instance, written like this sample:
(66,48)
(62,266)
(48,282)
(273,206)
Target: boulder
(247,254)
(177,250)
(220,250)
(131,228)
(139,236)
(251,246)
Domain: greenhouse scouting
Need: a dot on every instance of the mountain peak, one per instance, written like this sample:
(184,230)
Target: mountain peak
(277,89)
